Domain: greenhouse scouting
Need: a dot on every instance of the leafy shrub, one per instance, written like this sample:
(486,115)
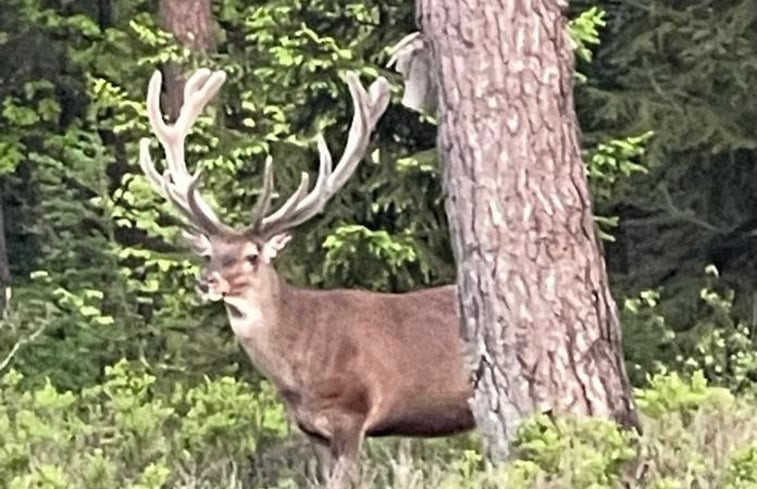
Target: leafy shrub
(742,468)
(585,452)
(669,393)
(132,432)
(721,344)
(125,433)
(717,343)
(695,434)
(648,341)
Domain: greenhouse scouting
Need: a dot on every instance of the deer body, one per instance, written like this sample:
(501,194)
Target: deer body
(364,354)
(347,363)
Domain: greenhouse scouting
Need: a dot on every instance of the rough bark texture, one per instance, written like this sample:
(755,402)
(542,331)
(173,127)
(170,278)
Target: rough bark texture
(540,326)
(191,22)
(5,275)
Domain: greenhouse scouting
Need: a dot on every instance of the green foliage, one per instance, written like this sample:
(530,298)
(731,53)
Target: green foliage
(609,165)
(585,453)
(390,257)
(721,344)
(101,243)
(718,343)
(708,424)
(647,338)
(126,433)
(670,393)
(680,69)
(584,30)
(742,468)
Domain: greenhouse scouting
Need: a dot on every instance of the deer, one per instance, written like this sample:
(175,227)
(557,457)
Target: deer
(347,364)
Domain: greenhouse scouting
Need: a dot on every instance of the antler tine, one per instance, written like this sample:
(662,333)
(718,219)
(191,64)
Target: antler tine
(358,137)
(161,183)
(177,185)
(368,108)
(201,210)
(263,204)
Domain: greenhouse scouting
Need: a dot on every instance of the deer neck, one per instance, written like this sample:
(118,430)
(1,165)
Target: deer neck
(255,318)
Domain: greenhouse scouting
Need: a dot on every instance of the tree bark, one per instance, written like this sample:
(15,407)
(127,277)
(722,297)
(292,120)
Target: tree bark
(191,23)
(540,326)
(5,274)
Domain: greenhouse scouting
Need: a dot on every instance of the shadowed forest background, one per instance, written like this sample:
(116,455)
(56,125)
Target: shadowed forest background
(113,373)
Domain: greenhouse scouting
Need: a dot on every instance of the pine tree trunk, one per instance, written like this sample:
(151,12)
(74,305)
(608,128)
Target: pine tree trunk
(191,23)
(540,326)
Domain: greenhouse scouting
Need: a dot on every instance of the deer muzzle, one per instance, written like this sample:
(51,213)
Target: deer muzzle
(213,286)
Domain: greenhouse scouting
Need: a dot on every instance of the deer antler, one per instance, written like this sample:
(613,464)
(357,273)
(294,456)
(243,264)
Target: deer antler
(301,206)
(180,187)
(177,185)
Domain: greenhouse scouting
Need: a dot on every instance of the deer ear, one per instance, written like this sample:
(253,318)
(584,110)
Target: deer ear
(275,244)
(198,242)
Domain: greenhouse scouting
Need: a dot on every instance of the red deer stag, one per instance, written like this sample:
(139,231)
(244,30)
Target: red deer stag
(347,363)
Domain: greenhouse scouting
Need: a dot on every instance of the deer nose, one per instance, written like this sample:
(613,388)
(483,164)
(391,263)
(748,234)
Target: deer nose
(217,283)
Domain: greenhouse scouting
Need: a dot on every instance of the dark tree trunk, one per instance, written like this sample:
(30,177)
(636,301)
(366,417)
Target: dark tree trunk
(191,22)
(540,326)
(5,274)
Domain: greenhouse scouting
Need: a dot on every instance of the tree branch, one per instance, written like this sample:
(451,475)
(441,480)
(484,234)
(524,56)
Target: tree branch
(9,357)
(689,216)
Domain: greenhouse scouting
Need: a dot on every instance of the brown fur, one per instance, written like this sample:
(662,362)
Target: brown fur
(349,363)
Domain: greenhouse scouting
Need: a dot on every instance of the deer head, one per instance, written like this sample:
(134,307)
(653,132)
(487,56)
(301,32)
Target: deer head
(240,260)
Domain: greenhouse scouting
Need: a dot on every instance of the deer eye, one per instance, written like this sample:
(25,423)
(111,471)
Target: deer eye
(252,259)
(206,258)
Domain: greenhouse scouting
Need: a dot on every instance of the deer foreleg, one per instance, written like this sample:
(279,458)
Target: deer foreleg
(336,439)
(324,458)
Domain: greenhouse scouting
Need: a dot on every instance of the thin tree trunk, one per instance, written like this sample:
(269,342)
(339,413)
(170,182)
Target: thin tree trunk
(191,22)
(5,274)
(540,326)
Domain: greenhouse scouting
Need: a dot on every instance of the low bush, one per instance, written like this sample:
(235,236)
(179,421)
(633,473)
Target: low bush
(224,433)
(124,434)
